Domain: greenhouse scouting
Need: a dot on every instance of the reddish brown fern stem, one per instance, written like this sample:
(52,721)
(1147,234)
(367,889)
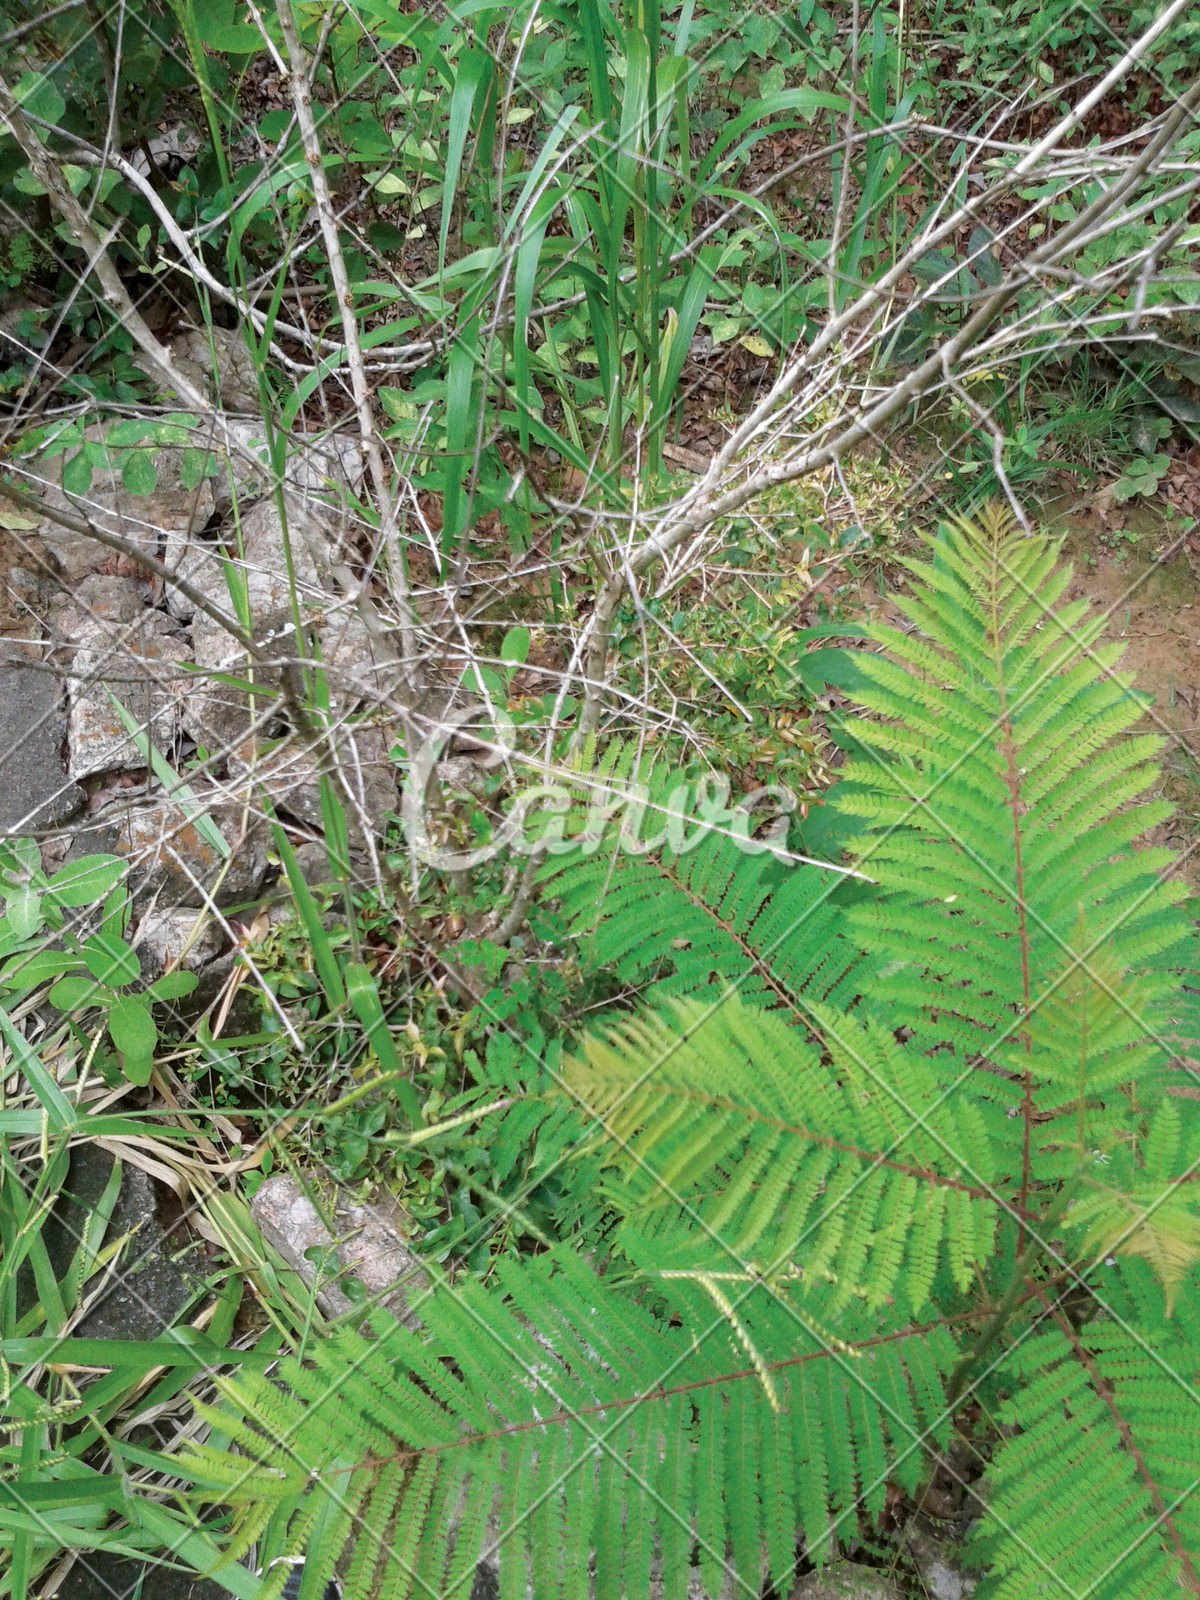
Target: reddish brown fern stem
(1104,1390)
(975,1191)
(662,1394)
(751,955)
(1012,778)
(919,1332)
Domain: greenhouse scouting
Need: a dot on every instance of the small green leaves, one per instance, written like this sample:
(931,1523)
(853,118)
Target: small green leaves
(195,466)
(25,913)
(979,249)
(19,857)
(75,993)
(77,474)
(26,971)
(171,986)
(515,646)
(398,404)
(1140,477)
(37,94)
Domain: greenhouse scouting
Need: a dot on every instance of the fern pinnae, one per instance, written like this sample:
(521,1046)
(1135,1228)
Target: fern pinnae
(710,1509)
(511,1550)
(364,1553)
(743,1509)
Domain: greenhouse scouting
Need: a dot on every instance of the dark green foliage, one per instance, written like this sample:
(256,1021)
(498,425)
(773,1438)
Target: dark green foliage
(704,909)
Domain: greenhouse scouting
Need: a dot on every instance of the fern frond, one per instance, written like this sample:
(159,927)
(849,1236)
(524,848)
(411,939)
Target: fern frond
(1140,1200)
(999,816)
(1096,1493)
(750,1141)
(626,1433)
(702,907)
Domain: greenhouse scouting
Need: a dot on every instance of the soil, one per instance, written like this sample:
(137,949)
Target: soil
(1145,576)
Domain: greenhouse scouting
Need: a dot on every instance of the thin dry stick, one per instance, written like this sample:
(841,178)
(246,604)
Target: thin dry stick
(843,198)
(707,504)
(302,101)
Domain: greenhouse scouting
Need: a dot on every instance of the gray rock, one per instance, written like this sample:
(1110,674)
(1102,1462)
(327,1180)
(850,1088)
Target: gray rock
(170,862)
(219,363)
(846,1580)
(317,467)
(217,715)
(36,792)
(144,520)
(177,936)
(369,1246)
(97,600)
(290,776)
(938,1564)
(313,861)
(139,662)
(31,586)
(460,773)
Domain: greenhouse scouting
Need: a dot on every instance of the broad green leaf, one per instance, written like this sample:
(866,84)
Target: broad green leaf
(139,473)
(30,970)
(77,474)
(131,431)
(134,1034)
(398,405)
(515,645)
(19,857)
(75,992)
(220,28)
(195,466)
(37,94)
(25,913)
(82,882)
(172,986)
(110,959)
(979,249)
(475,69)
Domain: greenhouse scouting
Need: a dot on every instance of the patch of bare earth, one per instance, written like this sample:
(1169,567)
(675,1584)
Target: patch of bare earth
(1145,579)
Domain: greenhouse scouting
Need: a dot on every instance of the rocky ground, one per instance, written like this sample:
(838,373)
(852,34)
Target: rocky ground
(125,716)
